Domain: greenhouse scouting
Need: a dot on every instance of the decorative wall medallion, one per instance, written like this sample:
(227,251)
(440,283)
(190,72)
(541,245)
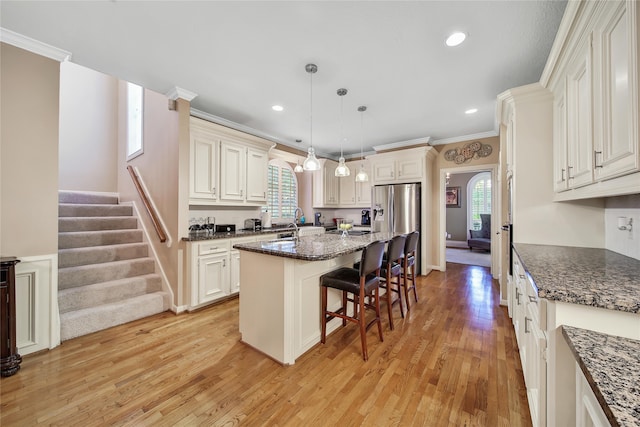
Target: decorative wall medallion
(472,150)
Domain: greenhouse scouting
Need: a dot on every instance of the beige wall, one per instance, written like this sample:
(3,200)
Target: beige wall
(88,130)
(158,166)
(28,153)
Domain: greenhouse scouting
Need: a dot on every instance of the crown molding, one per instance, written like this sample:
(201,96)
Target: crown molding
(403,144)
(34,46)
(246,129)
(462,138)
(178,92)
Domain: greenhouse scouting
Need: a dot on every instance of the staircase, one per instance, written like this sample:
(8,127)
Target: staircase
(105,275)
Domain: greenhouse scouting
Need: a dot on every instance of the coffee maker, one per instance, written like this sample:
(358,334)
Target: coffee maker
(317,218)
(366,217)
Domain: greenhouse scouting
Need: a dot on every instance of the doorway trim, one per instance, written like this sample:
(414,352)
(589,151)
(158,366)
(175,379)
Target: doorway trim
(495,213)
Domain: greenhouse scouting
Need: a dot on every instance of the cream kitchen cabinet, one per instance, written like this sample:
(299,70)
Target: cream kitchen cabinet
(396,167)
(235,257)
(347,189)
(594,79)
(589,412)
(355,194)
(326,186)
(227,167)
(209,274)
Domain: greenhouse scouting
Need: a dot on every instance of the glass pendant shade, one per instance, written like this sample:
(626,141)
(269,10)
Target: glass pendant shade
(298,168)
(342,169)
(311,163)
(362,176)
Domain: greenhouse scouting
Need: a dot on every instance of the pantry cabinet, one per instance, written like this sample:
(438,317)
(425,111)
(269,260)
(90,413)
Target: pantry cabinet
(227,167)
(594,79)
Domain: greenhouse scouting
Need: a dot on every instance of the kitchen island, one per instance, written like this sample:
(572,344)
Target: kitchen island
(280,297)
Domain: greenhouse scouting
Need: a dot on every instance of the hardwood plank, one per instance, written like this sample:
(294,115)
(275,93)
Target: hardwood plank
(453,360)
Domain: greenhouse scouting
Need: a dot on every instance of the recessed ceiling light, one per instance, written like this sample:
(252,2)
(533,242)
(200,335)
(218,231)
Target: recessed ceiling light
(471,111)
(455,39)
(277,108)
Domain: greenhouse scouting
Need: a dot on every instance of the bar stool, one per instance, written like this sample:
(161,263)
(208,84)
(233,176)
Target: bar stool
(409,266)
(362,282)
(392,267)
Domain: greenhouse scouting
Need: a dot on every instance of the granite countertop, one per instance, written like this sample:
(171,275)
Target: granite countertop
(611,365)
(196,236)
(314,248)
(586,276)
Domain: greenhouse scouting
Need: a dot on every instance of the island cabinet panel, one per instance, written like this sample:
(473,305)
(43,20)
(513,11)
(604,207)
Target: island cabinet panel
(588,410)
(280,304)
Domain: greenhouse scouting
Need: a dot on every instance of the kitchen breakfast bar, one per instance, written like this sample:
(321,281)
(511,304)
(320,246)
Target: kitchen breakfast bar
(280,290)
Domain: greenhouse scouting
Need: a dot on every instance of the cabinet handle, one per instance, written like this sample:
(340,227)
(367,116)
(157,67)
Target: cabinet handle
(518,296)
(213,190)
(353,199)
(241,191)
(569,172)
(533,299)
(521,276)
(526,323)
(562,175)
(595,159)
(224,262)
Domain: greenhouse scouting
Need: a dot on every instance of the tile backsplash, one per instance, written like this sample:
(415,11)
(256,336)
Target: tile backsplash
(624,242)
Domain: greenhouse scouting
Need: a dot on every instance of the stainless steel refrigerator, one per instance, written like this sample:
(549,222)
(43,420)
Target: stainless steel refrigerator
(396,209)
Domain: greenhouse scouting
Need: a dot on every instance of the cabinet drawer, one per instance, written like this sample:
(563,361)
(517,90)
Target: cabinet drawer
(213,247)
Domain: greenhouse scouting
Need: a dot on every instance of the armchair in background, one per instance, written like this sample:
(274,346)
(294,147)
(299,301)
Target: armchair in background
(481,239)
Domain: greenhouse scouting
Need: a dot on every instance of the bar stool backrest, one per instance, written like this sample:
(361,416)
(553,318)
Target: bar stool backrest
(371,258)
(412,243)
(396,248)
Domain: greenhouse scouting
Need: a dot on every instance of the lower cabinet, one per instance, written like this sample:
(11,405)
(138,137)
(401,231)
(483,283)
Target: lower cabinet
(528,312)
(589,413)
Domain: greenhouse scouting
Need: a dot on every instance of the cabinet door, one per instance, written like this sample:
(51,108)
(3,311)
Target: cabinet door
(536,368)
(560,142)
(235,272)
(203,179)
(589,413)
(213,277)
(348,189)
(383,170)
(579,119)
(232,171)
(331,184)
(616,144)
(409,168)
(363,189)
(257,169)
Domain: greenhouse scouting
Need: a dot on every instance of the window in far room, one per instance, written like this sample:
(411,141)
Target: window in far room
(478,198)
(135,115)
(282,192)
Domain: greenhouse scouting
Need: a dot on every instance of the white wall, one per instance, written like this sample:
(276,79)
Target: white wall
(623,241)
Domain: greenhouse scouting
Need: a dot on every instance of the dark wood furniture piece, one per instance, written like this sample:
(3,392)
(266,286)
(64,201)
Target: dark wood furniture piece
(409,266)
(392,267)
(9,358)
(361,283)
(481,239)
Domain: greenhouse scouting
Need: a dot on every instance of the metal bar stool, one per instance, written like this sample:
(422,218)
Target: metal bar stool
(362,283)
(409,266)
(392,267)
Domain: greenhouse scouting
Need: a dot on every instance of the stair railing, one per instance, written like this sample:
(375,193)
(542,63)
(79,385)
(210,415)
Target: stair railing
(155,218)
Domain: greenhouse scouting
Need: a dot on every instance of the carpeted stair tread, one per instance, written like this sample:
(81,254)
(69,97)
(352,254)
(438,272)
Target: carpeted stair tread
(107,292)
(96,223)
(70,277)
(80,239)
(89,210)
(82,322)
(100,254)
(86,198)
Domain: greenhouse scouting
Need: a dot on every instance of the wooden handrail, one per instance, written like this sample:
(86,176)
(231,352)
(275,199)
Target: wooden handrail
(147,204)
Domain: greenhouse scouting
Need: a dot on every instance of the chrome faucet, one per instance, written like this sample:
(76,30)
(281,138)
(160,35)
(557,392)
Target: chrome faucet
(295,232)
(295,214)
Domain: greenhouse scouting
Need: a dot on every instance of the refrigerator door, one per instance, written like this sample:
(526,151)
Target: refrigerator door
(406,208)
(382,209)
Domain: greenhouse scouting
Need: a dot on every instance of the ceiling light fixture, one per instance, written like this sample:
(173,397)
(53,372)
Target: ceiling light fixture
(342,169)
(298,168)
(311,163)
(362,174)
(277,108)
(455,39)
(471,111)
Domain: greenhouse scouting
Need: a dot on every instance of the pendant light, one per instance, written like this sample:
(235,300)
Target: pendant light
(362,174)
(311,163)
(298,168)
(342,169)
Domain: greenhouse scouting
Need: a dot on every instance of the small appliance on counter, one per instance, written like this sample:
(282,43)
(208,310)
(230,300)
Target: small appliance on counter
(266,219)
(366,217)
(317,219)
(253,224)
(225,228)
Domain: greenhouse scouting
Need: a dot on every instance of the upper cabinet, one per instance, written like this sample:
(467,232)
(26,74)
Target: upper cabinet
(326,185)
(593,74)
(330,191)
(396,167)
(227,167)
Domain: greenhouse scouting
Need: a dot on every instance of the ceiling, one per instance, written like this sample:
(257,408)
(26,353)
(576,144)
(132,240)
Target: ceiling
(242,57)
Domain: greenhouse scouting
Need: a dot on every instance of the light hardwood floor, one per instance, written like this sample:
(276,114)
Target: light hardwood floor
(452,361)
